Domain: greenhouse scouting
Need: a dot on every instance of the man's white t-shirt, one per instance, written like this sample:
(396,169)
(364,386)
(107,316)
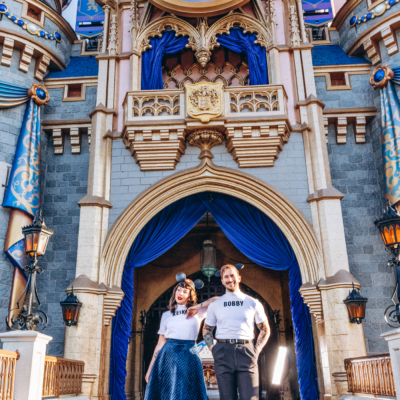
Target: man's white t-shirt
(178,326)
(234,314)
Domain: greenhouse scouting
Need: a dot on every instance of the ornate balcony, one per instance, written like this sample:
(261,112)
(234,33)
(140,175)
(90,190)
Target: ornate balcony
(253,119)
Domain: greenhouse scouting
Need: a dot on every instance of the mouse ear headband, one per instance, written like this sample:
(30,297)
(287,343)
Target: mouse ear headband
(197,284)
(237,266)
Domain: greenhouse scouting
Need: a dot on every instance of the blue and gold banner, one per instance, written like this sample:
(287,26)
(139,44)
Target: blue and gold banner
(383,77)
(23,189)
(390,118)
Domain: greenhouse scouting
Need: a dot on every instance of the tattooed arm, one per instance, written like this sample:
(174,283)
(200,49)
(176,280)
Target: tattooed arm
(160,344)
(208,336)
(263,336)
(192,311)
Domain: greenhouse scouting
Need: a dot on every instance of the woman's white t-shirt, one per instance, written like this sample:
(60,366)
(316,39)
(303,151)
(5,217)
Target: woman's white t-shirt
(178,326)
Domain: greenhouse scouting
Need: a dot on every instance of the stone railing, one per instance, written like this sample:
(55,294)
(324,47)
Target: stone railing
(62,377)
(8,361)
(372,375)
(266,101)
(154,104)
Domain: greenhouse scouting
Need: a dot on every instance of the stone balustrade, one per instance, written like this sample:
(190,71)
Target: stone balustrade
(254,120)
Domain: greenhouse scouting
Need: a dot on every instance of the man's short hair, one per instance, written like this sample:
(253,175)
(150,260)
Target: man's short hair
(227,266)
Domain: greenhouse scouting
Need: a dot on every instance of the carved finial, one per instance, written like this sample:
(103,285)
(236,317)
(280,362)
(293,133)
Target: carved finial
(203,54)
(113,39)
(294,27)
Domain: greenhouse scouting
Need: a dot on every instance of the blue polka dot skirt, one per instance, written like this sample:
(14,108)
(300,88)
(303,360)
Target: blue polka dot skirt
(177,373)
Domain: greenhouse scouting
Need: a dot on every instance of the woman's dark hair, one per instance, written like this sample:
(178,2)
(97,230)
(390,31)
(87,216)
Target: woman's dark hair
(192,301)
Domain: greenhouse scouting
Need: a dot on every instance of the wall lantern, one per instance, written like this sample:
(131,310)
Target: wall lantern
(389,227)
(208,259)
(70,309)
(29,316)
(355,304)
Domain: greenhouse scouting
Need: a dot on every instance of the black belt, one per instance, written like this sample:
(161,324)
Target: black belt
(234,341)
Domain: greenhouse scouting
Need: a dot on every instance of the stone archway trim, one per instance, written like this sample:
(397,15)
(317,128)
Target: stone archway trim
(209,177)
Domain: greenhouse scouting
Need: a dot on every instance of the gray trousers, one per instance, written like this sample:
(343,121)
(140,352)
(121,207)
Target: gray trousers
(236,368)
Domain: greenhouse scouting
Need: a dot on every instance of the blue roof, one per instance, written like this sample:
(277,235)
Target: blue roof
(77,67)
(334,55)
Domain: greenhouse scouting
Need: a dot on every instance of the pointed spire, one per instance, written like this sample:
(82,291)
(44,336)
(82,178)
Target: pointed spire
(294,27)
(113,39)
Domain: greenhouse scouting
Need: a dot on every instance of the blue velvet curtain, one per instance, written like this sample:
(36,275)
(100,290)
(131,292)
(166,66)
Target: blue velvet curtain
(254,234)
(152,58)
(240,42)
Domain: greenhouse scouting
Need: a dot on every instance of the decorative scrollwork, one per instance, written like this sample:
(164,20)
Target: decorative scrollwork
(254,101)
(205,139)
(172,23)
(249,25)
(391,316)
(155,105)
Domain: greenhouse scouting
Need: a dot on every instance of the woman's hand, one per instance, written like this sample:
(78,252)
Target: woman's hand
(192,311)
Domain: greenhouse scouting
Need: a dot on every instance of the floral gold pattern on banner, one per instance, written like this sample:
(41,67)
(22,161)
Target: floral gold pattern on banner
(23,189)
(390,108)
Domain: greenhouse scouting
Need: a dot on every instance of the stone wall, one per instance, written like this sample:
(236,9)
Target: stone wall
(288,175)
(354,170)
(65,183)
(57,109)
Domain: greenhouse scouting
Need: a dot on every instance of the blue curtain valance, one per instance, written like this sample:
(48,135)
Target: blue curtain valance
(256,55)
(253,233)
(152,58)
(12,95)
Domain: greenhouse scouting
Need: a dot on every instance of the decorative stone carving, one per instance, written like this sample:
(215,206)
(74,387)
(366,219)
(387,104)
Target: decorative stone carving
(8,47)
(205,139)
(113,37)
(203,39)
(258,144)
(311,293)
(204,101)
(156,29)
(294,27)
(341,118)
(249,25)
(112,301)
(227,74)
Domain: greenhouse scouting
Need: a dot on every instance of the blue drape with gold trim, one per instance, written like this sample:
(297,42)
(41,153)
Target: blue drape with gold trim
(12,95)
(22,194)
(390,121)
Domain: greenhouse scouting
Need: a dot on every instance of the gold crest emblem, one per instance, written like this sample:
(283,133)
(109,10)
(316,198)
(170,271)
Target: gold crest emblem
(204,100)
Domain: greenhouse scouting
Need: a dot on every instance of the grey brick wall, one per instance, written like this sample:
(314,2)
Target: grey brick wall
(57,109)
(65,183)
(354,169)
(361,95)
(288,175)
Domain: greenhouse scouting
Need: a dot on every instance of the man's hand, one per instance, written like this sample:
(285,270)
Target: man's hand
(208,336)
(262,337)
(192,311)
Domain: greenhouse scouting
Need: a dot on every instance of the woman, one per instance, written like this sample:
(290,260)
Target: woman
(175,371)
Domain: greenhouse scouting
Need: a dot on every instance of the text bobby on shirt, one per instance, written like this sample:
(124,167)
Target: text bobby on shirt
(178,326)
(234,315)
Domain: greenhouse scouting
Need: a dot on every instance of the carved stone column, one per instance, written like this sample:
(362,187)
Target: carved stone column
(336,337)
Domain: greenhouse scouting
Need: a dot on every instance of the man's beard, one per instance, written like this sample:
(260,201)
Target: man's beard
(234,288)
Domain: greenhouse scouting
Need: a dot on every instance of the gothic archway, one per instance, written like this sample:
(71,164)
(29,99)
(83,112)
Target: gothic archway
(209,177)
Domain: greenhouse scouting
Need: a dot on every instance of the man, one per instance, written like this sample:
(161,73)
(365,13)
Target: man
(235,356)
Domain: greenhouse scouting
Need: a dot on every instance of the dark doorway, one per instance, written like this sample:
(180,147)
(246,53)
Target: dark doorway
(215,288)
